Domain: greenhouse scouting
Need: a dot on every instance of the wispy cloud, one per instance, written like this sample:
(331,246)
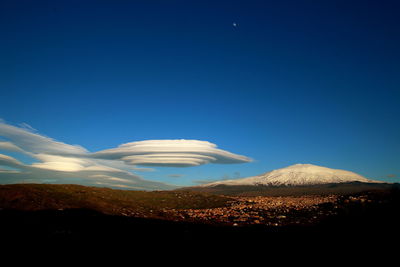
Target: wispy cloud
(64,163)
(35,143)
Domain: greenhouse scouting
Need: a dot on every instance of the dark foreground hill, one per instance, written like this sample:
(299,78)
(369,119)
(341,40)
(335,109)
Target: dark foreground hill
(48,215)
(35,197)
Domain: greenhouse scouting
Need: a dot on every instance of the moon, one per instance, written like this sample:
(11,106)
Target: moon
(234,24)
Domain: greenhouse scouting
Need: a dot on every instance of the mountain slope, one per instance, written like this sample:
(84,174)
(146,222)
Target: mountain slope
(297,175)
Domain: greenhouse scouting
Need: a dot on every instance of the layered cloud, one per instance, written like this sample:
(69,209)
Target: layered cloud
(66,171)
(35,143)
(173,153)
(54,161)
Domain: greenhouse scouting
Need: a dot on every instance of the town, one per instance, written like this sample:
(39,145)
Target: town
(269,211)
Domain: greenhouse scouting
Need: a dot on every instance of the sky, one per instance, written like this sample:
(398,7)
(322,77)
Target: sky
(156,94)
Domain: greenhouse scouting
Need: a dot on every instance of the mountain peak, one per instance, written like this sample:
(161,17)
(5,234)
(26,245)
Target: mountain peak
(298,174)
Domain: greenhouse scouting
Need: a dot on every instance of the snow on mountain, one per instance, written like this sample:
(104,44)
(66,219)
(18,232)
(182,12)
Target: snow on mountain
(298,174)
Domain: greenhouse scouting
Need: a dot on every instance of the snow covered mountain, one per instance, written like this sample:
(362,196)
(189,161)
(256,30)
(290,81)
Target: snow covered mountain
(298,174)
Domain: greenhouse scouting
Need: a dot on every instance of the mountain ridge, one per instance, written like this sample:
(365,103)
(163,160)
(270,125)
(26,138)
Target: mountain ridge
(297,175)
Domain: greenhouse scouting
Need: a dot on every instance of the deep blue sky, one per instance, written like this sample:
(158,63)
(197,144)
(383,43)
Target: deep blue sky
(295,82)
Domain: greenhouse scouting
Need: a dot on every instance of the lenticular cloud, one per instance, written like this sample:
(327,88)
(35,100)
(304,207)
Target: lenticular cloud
(173,153)
(54,161)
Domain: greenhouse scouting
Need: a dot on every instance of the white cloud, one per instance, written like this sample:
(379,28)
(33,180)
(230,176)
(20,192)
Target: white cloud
(36,143)
(71,164)
(59,163)
(64,163)
(174,153)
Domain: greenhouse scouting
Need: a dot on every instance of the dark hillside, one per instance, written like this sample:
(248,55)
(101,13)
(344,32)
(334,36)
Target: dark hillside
(357,226)
(39,216)
(33,197)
